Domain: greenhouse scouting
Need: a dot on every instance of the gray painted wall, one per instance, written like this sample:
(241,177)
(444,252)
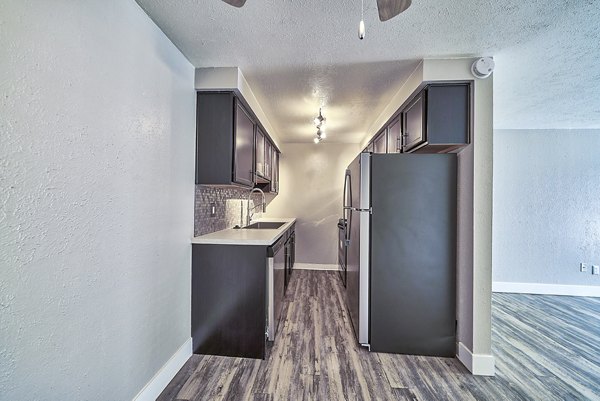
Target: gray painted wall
(546,206)
(312,182)
(96,199)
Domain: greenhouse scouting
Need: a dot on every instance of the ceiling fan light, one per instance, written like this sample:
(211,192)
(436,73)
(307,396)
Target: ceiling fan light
(361,30)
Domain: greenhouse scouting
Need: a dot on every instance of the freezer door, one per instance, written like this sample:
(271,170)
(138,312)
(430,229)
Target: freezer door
(357,292)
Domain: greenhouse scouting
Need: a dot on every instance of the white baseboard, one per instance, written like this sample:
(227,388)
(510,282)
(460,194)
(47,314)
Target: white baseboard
(314,266)
(163,377)
(478,364)
(547,289)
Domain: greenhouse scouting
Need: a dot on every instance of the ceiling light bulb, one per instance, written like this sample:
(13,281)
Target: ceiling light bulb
(323,135)
(317,121)
(316,140)
(361,30)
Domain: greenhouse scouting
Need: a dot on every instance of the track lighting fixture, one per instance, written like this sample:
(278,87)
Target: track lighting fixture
(320,123)
(320,120)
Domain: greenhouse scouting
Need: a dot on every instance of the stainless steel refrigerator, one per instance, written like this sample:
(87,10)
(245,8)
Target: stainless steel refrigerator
(401,252)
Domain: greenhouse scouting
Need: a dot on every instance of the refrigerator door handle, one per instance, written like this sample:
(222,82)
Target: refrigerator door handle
(344,207)
(347,231)
(348,207)
(347,189)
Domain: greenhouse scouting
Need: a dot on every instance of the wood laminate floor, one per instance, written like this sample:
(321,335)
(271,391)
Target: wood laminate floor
(546,348)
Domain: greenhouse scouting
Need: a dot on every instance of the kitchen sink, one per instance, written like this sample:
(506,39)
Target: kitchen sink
(265,225)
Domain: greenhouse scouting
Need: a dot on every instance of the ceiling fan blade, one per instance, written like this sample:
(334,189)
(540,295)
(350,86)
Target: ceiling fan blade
(388,9)
(235,3)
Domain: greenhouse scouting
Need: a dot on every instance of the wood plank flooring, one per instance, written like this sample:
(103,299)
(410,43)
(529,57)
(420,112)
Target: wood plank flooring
(546,348)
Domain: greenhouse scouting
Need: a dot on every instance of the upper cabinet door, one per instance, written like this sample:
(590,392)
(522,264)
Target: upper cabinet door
(394,136)
(414,121)
(448,114)
(268,160)
(274,188)
(244,147)
(381,143)
(275,172)
(260,153)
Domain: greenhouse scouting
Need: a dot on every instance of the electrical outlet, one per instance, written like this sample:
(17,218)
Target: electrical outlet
(595,269)
(582,267)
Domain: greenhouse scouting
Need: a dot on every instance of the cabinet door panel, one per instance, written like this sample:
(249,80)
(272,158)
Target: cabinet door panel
(394,136)
(275,173)
(260,152)
(413,123)
(244,147)
(381,143)
(448,114)
(268,160)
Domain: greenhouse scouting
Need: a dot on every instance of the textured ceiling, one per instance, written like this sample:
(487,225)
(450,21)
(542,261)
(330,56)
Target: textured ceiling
(552,80)
(300,54)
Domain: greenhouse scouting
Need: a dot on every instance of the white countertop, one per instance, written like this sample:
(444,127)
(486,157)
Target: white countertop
(242,236)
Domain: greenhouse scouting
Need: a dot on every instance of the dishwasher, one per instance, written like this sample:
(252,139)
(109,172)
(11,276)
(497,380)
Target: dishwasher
(276,285)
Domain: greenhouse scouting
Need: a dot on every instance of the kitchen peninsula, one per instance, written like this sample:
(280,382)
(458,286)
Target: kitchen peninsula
(239,278)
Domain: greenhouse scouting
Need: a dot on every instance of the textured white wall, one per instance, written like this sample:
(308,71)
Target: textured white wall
(312,183)
(96,197)
(546,206)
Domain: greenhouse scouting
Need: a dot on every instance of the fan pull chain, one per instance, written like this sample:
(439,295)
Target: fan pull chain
(361,26)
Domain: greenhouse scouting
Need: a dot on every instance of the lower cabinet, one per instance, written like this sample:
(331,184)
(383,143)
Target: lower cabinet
(237,295)
(229,300)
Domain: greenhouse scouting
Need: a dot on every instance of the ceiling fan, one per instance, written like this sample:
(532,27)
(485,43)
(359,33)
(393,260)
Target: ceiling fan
(388,9)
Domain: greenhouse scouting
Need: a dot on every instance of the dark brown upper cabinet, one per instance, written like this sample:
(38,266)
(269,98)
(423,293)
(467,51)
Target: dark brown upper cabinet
(448,118)
(224,140)
(437,120)
(243,155)
(380,143)
(275,172)
(394,136)
(260,155)
(414,123)
(268,169)
(227,133)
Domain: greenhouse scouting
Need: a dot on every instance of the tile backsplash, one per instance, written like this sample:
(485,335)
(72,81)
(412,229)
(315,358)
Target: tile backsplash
(230,206)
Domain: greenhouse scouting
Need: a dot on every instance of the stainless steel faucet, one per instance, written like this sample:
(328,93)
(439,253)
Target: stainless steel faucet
(263,204)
